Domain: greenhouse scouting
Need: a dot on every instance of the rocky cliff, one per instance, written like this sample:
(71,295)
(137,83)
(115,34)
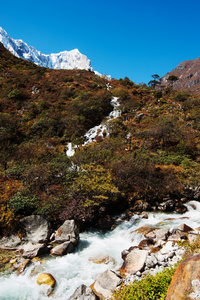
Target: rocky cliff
(188,73)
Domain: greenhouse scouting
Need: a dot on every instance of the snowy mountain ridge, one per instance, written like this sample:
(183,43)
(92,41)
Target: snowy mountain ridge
(64,60)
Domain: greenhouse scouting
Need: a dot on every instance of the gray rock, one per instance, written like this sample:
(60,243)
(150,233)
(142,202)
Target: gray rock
(31,250)
(185,228)
(177,236)
(166,206)
(83,292)
(67,232)
(151,261)
(63,249)
(158,234)
(134,261)
(105,283)
(11,242)
(37,229)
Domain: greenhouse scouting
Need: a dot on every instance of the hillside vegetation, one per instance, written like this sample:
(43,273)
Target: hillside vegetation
(152,151)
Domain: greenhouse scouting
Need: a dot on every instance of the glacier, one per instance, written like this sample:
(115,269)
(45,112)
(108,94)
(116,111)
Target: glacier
(63,60)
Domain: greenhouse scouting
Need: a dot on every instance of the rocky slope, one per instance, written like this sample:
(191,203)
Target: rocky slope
(64,60)
(188,73)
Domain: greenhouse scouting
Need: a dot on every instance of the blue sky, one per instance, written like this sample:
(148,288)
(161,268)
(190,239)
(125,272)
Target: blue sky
(121,38)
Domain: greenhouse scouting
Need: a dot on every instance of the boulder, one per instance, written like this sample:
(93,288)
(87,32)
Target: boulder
(151,261)
(83,292)
(181,209)
(144,216)
(22,266)
(192,237)
(167,205)
(185,283)
(10,242)
(67,232)
(146,244)
(63,249)
(185,228)
(31,250)
(134,261)
(105,283)
(141,205)
(177,236)
(158,234)
(37,229)
(46,278)
(143,230)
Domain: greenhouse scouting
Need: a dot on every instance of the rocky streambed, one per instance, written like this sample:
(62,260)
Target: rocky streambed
(91,264)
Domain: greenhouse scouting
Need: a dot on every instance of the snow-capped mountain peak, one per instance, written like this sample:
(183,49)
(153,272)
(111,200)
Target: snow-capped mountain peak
(64,60)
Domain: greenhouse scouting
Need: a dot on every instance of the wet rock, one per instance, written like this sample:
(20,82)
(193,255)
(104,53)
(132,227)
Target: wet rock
(134,261)
(83,292)
(105,283)
(102,260)
(146,244)
(185,279)
(144,216)
(167,205)
(63,249)
(37,229)
(181,209)
(22,266)
(46,278)
(143,230)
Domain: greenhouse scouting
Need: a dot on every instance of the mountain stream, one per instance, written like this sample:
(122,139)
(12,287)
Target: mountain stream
(78,268)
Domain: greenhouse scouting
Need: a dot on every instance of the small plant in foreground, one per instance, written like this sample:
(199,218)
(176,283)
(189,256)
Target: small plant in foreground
(149,288)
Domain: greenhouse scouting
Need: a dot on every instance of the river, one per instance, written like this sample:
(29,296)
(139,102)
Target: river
(78,268)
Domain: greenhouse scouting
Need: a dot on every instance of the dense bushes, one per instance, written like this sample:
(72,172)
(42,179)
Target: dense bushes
(152,150)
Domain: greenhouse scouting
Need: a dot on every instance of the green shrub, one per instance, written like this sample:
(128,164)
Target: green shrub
(151,287)
(23,205)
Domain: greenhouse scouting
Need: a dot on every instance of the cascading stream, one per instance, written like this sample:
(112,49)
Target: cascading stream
(78,268)
(99,130)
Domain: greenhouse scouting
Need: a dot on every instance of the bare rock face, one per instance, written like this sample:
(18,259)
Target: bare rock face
(37,228)
(83,292)
(105,283)
(134,261)
(185,283)
(188,73)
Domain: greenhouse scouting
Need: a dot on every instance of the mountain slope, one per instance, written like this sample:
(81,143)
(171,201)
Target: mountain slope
(64,60)
(188,73)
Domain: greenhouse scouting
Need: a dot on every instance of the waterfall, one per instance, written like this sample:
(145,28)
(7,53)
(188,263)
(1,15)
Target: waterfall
(99,130)
(78,268)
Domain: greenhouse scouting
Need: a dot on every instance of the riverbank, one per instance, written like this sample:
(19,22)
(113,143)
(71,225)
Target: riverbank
(96,252)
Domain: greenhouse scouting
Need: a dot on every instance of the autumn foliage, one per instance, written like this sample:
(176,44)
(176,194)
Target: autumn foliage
(152,150)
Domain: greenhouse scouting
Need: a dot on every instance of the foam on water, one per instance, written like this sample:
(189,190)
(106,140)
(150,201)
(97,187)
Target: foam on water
(77,268)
